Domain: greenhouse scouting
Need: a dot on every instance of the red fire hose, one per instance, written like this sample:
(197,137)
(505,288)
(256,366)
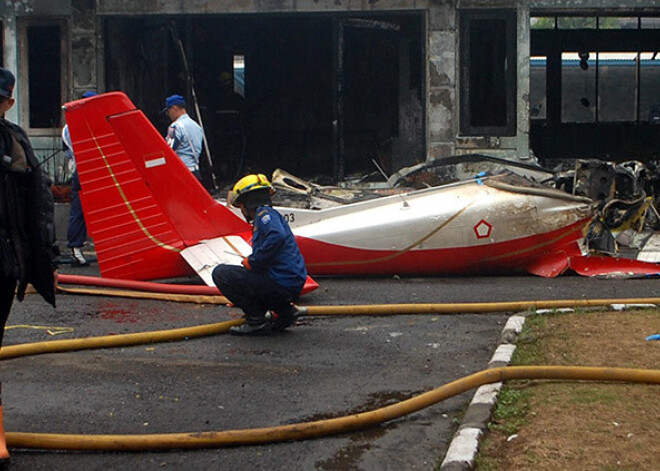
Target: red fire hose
(137,285)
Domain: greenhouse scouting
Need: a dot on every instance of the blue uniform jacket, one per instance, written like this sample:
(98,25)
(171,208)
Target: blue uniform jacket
(274,249)
(186,137)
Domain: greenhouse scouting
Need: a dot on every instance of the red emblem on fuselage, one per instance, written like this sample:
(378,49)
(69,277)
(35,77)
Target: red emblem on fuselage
(482,229)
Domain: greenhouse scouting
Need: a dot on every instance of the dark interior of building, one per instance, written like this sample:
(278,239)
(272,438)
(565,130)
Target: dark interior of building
(315,95)
(595,88)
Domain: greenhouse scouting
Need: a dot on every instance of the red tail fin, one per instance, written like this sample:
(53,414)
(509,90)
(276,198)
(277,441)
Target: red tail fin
(142,205)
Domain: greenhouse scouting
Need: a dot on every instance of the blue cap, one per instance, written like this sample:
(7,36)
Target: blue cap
(173,100)
(89,93)
(7,82)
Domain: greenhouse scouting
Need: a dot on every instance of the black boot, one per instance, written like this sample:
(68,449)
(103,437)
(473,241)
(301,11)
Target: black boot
(286,317)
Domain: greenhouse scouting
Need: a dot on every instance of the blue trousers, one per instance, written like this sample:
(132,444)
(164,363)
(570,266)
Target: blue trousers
(76,233)
(253,291)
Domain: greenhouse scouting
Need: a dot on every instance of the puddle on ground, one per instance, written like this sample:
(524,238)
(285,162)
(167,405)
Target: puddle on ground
(348,457)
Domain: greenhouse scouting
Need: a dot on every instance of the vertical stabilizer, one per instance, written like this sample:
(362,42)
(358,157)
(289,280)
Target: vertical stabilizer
(142,205)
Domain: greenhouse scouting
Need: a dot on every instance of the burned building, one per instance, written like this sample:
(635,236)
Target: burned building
(330,88)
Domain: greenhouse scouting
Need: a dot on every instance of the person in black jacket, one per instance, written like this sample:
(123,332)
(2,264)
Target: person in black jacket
(26,222)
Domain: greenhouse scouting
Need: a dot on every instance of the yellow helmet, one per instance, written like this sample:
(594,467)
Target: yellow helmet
(249,184)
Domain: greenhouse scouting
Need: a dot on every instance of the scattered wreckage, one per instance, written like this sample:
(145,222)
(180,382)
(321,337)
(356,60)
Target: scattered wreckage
(152,219)
(625,199)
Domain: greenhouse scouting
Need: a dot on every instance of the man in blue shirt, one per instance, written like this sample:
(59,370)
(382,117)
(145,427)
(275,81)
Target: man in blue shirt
(184,135)
(272,277)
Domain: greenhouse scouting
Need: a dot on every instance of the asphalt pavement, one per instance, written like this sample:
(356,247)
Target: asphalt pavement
(324,367)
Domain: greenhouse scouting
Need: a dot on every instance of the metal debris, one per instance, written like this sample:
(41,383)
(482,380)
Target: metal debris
(626,194)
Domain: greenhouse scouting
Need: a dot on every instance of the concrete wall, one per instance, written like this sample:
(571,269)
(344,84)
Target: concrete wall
(442,105)
(173,7)
(81,60)
(86,50)
(442,139)
(639,6)
(85,55)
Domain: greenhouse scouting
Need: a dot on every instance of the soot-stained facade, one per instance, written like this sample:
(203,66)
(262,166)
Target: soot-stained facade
(335,88)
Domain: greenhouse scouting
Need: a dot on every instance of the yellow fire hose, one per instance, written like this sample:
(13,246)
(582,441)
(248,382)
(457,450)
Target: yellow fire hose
(321,428)
(447,308)
(123,340)
(301,431)
(375,309)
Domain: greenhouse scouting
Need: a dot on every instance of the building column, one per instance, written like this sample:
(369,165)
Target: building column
(441,107)
(10,55)
(522,99)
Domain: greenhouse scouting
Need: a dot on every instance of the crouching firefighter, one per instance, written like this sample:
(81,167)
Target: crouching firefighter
(26,222)
(271,278)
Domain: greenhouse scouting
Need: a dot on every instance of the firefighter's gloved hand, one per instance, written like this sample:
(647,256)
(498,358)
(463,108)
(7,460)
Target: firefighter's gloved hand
(246,263)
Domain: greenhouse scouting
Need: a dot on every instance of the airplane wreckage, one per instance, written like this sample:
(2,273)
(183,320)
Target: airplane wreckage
(151,219)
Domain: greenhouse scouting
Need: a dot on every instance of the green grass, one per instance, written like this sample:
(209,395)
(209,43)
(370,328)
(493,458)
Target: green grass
(513,399)
(550,338)
(486,464)
(593,395)
(527,345)
(511,410)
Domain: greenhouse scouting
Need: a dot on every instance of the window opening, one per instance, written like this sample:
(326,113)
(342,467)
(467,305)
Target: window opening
(604,87)
(610,22)
(650,23)
(488,83)
(595,22)
(44,61)
(577,22)
(487,90)
(649,87)
(578,92)
(239,74)
(543,22)
(617,86)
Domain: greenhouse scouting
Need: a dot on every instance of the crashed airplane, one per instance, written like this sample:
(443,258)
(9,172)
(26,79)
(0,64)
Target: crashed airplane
(150,218)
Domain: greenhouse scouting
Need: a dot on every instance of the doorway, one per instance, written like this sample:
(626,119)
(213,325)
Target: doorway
(284,112)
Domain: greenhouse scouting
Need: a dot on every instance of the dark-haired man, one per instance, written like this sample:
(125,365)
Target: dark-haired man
(26,221)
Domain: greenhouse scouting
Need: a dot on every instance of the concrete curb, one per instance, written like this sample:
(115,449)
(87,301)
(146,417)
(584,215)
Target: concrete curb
(462,451)
(464,446)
